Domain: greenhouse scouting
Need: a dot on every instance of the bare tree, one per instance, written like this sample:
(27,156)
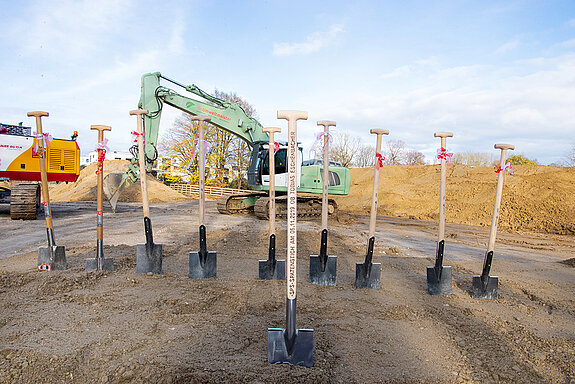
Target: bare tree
(570,156)
(413,157)
(394,152)
(473,158)
(345,149)
(226,151)
(365,156)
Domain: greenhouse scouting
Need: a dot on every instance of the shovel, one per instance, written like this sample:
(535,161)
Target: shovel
(323,268)
(291,345)
(99,263)
(438,276)
(272,269)
(485,286)
(149,255)
(52,257)
(203,264)
(368,274)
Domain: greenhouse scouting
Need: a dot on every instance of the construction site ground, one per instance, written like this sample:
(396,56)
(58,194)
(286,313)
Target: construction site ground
(75,326)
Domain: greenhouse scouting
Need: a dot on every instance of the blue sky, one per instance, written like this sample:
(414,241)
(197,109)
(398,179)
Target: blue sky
(488,71)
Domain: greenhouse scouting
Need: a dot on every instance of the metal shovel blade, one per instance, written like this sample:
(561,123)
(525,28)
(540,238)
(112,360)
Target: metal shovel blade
(479,290)
(301,350)
(54,261)
(326,277)
(207,271)
(439,285)
(149,260)
(268,272)
(366,277)
(113,187)
(96,264)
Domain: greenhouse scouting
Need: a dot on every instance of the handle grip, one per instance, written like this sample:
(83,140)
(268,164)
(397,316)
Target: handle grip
(379,131)
(37,114)
(207,119)
(292,115)
(101,128)
(504,146)
(443,134)
(139,112)
(271,129)
(326,124)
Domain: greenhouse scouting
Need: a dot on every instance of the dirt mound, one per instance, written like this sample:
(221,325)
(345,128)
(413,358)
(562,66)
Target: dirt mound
(535,198)
(85,188)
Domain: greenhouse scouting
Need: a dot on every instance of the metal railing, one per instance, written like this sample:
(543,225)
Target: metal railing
(194,190)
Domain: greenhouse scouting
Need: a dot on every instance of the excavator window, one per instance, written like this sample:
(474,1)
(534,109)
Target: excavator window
(280,160)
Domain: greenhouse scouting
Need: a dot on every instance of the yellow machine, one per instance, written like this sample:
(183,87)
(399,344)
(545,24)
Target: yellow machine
(19,163)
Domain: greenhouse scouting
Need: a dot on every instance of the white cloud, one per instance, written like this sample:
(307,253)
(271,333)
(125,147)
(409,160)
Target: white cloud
(312,43)
(507,47)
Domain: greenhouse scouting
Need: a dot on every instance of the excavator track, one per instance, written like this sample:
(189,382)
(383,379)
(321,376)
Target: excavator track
(234,204)
(25,202)
(307,206)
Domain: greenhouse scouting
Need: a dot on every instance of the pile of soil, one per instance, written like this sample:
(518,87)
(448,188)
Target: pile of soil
(535,198)
(85,188)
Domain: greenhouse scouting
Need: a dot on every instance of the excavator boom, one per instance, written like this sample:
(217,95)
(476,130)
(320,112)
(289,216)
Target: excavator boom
(231,118)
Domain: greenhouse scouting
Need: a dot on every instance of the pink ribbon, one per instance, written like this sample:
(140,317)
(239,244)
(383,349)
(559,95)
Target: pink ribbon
(102,147)
(443,154)
(47,139)
(318,141)
(135,136)
(379,160)
(207,147)
(276,146)
(507,168)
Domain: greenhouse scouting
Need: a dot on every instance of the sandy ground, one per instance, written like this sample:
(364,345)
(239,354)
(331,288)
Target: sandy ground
(121,327)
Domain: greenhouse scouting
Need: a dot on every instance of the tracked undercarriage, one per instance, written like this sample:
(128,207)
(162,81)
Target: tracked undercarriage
(258,203)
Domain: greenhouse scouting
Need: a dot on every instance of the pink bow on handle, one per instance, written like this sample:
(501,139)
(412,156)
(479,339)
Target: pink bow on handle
(319,141)
(102,147)
(135,136)
(443,154)
(47,139)
(379,160)
(276,146)
(507,168)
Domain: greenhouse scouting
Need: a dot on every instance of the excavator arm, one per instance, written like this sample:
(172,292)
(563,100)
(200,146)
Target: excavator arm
(226,115)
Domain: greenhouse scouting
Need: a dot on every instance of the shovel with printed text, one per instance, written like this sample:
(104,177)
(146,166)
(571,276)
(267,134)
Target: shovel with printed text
(149,255)
(272,269)
(203,264)
(99,263)
(323,268)
(439,276)
(291,345)
(485,286)
(368,274)
(52,257)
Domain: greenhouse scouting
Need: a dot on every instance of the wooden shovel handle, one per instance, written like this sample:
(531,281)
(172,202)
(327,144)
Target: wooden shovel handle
(326,124)
(139,112)
(292,115)
(443,134)
(271,130)
(378,132)
(201,118)
(37,114)
(504,146)
(101,129)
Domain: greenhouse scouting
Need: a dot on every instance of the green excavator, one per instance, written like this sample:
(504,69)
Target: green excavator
(232,118)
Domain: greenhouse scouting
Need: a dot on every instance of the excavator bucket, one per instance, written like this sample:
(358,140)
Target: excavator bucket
(113,186)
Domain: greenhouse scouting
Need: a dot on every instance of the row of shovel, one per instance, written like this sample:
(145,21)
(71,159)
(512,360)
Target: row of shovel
(289,345)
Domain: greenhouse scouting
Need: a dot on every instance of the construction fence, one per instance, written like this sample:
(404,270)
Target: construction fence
(194,190)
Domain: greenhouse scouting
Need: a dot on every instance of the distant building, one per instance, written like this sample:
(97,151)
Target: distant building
(110,155)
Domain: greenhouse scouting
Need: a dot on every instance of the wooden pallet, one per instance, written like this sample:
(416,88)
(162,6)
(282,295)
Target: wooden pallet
(25,201)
